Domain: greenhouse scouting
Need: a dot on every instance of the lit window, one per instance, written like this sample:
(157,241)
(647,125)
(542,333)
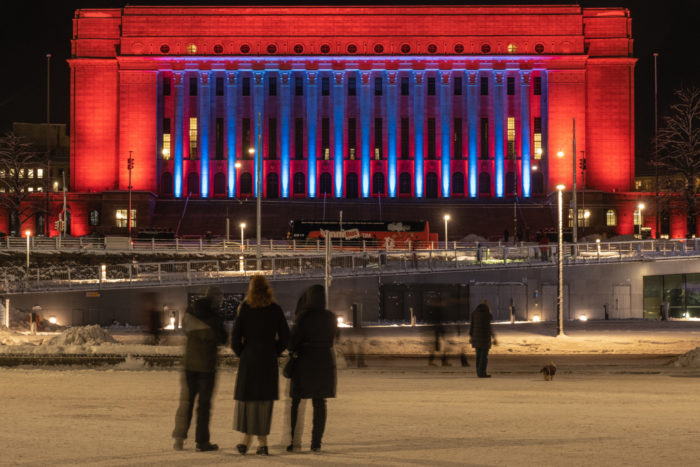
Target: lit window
(166,146)
(21,173)
(637,217)
(191,49)
(2,173)
(193,137)
(511,137)
(39,173)
(94,218)
(40,189)
(30,173)
(512,48)
(30,189)
(583,220)
(122,218)
(611,218)
(537,137)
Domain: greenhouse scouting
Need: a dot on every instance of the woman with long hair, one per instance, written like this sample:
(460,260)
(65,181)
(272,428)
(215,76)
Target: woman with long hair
(259,336)
(314,377)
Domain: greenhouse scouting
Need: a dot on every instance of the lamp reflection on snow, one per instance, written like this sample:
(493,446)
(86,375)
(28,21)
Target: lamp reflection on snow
(583,318)
(536,319)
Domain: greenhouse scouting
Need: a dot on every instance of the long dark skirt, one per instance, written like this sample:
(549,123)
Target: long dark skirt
(253,417)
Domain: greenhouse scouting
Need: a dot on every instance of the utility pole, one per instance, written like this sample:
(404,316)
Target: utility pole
(573,192)
(130,165)
(515,198)
(258,181)
(656,144)
(47,228)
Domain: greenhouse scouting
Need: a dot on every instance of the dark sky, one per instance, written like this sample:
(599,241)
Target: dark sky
(31,29)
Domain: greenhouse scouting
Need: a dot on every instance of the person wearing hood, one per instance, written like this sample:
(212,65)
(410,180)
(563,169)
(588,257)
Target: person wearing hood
(314,376)
(481,336)
(205,331)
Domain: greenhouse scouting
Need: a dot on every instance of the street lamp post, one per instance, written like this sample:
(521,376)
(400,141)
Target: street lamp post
(447,218)
(242,236)
(656,144)
(641,207)
(28,234)
(129,165)
(47,229)
(560,265)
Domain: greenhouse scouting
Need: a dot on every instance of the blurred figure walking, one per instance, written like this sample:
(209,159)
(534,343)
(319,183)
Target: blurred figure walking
(259,336)
(205,332)
(314,376)
(481,335)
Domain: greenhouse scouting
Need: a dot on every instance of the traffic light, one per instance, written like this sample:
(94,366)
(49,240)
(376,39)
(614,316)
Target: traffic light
(582,164)
(130,163)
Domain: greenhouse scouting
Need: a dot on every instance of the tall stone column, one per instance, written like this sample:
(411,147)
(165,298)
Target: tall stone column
(498,134)
(258,118)
(338,126)
(204,128)
(418,130)
(365,108)
(311,125)
(473,125)
(285,114)
(178,131)
(231,115)
(445,133)
(525,134)
(391,111)
(544,114)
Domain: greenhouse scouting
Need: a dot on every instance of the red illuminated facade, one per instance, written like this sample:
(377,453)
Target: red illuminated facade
(468,104)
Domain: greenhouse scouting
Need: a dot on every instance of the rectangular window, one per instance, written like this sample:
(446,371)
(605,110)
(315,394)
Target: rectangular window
(121,217)
(219,139)
(611,218)
(352,86)
(378,138)
(165,152)
(245,143)
(298,86)
(432,147)
(457,149)
(352,138)
(537,87)
(583,220)
(484,138)
(458,86)
(30,173)
(326,137)
(193,86)
(166,86)
(245,87)
(272,86)
(299,138)
(484,86)
(39,173)
(431,85)
(325,86)
(405,135)
(510,128)
(193,137)
(219,86)
(537,137)
(510,85)
(378,86)
(272,138)
(404,85)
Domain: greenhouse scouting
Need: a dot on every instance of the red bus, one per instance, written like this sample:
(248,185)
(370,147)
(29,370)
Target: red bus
(394,234)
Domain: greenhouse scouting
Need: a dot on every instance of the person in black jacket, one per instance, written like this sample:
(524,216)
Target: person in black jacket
(480,336)
(259,336)
(314,376)
(205,332)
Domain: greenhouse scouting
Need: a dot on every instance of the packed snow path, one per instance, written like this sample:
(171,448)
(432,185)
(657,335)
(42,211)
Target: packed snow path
(599,410)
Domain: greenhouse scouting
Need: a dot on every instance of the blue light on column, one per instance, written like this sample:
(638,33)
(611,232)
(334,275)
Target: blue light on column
(284,137)
(311,106)
(472,115)
(445,117)
(525,131)
(258,115)
(231,132)
(178,132)
(418,104)
(338,116)
(364,130)
(391,132)
(498,132)
(204,111)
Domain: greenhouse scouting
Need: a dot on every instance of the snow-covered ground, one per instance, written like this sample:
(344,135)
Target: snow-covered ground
(599,410)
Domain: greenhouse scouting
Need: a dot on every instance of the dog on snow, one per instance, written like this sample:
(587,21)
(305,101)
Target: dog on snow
(548,371)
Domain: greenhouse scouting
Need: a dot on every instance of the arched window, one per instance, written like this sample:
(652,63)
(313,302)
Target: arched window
(510,183)
(326,184)
(219,184)
(378,183)
(273,183)
(351,185)
(458,183)
(484,183)
(166,184)
(193,183)
(537,183)
(611,218)
(299,183)
(246,183)
(405,183)
(431,185)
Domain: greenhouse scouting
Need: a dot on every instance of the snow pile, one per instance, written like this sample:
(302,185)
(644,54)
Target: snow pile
(131,364)
(83,335)
(473,238)
(689,359)
(9,337)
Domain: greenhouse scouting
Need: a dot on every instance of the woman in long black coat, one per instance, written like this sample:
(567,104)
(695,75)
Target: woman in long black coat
(314,377)
(481,335)
(259,336)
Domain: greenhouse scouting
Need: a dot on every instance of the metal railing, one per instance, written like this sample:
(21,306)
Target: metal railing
(343,262)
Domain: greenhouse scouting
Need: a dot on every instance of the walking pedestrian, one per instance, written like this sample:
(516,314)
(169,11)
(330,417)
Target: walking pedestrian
(481,336)
(205,332)
(259,336)
(314,376)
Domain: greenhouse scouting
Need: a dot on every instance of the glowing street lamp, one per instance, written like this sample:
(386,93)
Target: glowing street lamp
(560,266)
(640,208)
(242,237)
(447,218)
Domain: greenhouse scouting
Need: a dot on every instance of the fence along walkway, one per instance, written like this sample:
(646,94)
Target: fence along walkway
(341,261)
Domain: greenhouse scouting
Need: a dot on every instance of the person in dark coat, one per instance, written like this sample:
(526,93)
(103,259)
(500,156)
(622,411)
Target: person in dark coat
(205,332)
(314,377)
(480,336)
(259,336)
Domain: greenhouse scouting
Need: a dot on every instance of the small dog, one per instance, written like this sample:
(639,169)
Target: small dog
(548,371)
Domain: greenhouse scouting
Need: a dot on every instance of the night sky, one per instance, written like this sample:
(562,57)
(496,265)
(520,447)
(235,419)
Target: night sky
(31,29)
